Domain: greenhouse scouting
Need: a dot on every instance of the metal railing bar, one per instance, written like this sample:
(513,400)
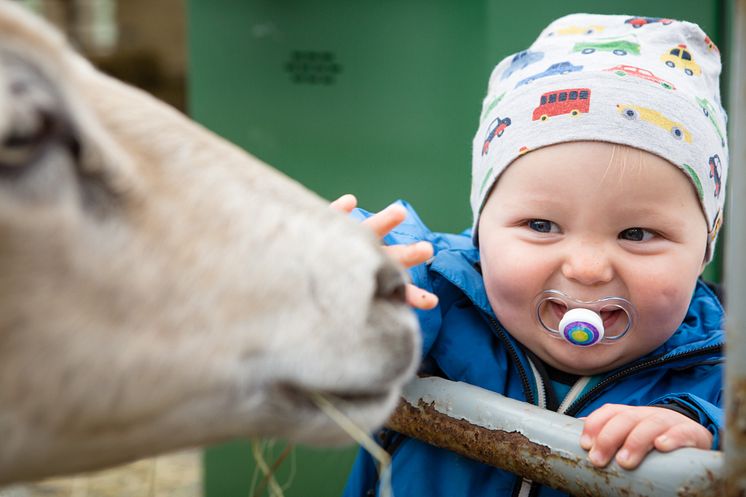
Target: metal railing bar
(542,445)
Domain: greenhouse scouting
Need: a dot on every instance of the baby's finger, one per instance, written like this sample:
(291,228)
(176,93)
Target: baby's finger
(640,441)
(410,255)
(345,203)
(419,298)
(595,422)
(611,437)
(684,435)
(384,221)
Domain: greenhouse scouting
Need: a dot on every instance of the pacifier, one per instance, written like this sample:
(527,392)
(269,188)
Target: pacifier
(582,323)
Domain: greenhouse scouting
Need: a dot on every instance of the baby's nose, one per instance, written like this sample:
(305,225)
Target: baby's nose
(588,263)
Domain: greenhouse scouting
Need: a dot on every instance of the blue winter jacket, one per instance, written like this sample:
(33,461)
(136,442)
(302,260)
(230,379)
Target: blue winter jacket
(463,341)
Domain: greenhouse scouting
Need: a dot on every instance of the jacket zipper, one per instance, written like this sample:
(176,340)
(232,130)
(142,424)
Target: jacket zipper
(522,486)
(528,392)
(580,402)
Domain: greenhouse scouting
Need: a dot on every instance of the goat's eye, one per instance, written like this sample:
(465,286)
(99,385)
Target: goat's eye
(31,116)
(38,142)
(20,146)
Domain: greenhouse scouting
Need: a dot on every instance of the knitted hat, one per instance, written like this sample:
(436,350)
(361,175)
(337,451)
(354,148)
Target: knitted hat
(648,83)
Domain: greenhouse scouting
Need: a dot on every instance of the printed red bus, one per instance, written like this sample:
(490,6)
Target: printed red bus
(571,101)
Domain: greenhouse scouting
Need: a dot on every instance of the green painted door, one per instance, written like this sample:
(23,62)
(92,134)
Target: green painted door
(378,98)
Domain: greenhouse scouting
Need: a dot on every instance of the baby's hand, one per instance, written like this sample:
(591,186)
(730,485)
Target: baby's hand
(635,431)
(407,255)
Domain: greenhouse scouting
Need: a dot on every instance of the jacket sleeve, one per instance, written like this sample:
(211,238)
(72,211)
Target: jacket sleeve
(705,413)
(363,476)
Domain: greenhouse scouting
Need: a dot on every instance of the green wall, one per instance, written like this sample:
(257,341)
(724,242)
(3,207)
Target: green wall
(379,98)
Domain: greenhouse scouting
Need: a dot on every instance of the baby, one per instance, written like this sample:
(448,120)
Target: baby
(598,184)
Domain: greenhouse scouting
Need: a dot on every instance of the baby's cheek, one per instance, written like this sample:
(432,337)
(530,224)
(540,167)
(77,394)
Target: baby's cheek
(665,307)
(509,280)
(511,291)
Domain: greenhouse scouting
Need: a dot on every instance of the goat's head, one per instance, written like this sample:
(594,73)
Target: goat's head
(160,288)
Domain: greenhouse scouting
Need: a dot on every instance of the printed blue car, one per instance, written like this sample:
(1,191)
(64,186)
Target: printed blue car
(521,60)
(553,70)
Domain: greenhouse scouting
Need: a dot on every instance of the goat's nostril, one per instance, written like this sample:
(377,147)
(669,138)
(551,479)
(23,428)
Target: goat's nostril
(390,283)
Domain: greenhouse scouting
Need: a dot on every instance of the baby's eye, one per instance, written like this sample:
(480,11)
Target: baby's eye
(636,235)
(542,226)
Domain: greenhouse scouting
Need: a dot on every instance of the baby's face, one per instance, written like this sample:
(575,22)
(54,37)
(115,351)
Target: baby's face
(592,220)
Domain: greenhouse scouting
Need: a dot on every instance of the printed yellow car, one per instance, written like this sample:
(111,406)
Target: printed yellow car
(680,57)
(637,113)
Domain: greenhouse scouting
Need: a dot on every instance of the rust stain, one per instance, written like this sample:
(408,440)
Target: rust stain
(511,451)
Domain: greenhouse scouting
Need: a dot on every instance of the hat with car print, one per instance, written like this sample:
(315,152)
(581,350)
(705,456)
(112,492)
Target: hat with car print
(648,83)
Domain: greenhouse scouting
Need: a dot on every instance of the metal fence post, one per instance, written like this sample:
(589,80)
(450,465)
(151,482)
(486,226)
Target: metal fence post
(735,268)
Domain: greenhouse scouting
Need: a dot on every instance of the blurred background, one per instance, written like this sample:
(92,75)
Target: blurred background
(375,97)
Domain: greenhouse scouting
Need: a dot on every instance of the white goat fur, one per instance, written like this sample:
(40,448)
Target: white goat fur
(160,288)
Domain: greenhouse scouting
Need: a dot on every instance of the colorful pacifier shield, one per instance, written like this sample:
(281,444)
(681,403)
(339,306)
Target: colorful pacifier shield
(582,327)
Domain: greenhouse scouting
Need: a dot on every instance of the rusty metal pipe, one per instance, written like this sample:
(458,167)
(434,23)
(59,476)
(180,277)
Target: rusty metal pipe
(735,267)
(542,445)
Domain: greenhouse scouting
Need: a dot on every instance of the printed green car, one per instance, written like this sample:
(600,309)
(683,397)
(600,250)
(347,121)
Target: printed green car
(617,47)
(710,113)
